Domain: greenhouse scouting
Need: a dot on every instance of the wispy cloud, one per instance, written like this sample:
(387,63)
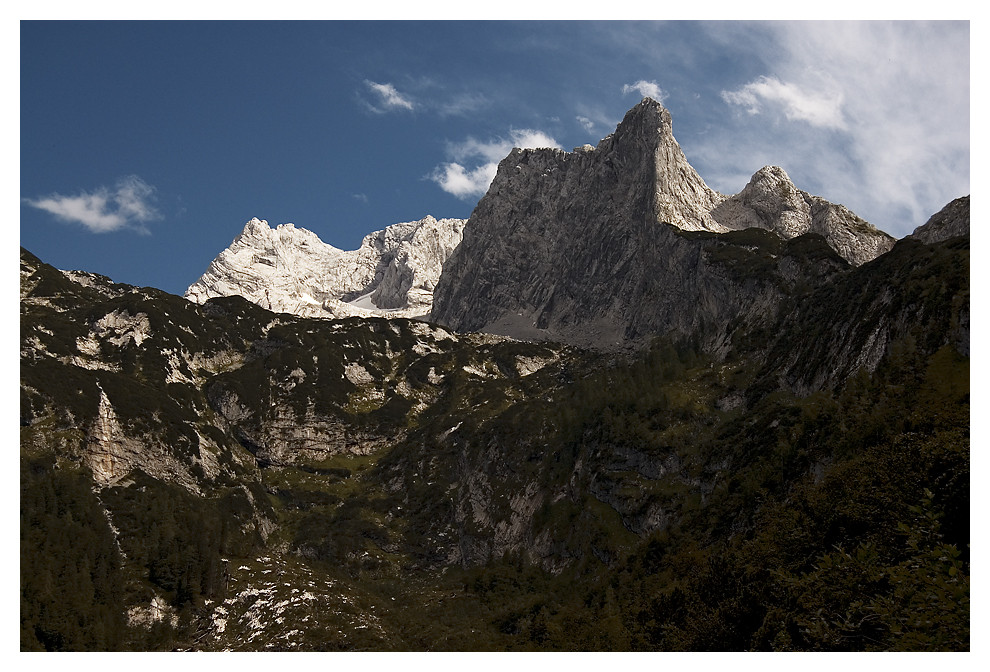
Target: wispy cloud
(422,95)
(596,119)
(360,197)
(872,114)
(128,205)
(645,88)
(474,163)
(817,107)
(460,104)
(387,98)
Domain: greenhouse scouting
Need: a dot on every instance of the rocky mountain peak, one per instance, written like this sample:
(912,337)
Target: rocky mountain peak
(768,201)
(275,243)
(590,246)
(289,269)
(255,226)
(679,194)
(771,201)
(646,122)
(772,182)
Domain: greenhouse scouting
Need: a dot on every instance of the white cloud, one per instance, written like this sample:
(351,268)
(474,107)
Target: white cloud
(498,148)
(463,183)
(388,97)
(472,182)
(879,110)
(595,119)
(128,205)
(646,89)
(818,108)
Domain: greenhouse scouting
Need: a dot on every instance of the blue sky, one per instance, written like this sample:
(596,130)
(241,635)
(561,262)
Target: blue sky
(146,146)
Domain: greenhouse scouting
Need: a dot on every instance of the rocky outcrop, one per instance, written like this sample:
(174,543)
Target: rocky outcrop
(289,269)
(771,201)
(612,246)
(949,222)
(112,452)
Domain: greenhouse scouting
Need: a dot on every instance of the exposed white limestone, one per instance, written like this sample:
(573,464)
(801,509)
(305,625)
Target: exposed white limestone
(530,365)
(358,375)
(289,269)
(157,611)
(120,326)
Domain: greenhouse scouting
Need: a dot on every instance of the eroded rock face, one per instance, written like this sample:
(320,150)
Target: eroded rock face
(612,246)
(771,201)
(113,451)
(289,269)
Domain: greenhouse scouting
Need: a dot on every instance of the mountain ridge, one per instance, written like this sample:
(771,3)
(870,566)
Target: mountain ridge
(289,269)
(395,474)
(643,169)
(611,246)
(765,446)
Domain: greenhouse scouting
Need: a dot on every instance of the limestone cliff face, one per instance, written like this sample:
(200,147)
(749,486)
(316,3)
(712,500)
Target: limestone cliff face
(771,201)
(420,250)
(289,269)
(610,246)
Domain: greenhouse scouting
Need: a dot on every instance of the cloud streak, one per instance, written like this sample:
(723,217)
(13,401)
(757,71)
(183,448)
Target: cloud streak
(388,97)
(822,109)
(461,104)
(474,163)
(128,205)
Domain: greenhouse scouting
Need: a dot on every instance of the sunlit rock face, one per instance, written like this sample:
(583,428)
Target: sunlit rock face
(290,270)
(613,245)
(771,201)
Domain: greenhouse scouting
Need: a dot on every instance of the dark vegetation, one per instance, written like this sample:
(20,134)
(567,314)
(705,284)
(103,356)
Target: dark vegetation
(841,524)
(689,503)
(71,584)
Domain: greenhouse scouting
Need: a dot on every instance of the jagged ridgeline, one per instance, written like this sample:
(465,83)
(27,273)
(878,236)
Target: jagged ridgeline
(609,246)
(774,458)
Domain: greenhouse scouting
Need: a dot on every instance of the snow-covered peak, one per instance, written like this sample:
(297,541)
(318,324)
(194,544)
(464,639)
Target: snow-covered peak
(289,269)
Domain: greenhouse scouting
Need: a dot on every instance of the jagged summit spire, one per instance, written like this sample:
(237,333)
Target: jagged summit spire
(582,246)
(255,225)
(647,122)
(681,196)
(649,110)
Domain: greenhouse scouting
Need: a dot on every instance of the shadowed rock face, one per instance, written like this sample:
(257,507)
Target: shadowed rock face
(607,247)
(949,222)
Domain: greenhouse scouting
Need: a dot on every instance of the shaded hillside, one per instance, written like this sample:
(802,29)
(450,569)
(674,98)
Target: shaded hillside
(251,481)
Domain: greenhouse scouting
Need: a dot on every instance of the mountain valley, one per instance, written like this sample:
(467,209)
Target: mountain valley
(613,410)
